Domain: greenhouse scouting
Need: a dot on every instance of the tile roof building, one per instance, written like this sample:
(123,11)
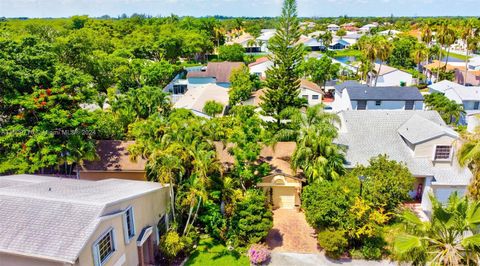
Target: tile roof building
(54,221)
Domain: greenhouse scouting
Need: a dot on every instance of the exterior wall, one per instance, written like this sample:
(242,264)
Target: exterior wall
(13,260)
(261,68)
(427,149)
(310,93)
(342,102)
(392,105)
(147,212)
(394,79)
(443,192)
(113,174)
(470,105)
(473,122)
(452,95)
(426,203)
(471,78)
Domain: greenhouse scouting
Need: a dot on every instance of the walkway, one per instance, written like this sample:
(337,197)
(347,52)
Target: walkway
(291,233)
(295,259)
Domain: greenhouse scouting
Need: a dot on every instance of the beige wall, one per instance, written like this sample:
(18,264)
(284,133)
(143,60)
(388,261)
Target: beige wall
(147,211)
(113,174)
(426,149)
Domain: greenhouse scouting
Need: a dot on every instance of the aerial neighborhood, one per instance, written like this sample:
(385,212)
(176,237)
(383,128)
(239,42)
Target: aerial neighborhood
(215,140)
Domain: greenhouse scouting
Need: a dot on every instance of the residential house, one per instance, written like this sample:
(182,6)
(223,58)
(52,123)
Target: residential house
(420,139)
(282,185)
(389,32)
(333,27)
(390,76)
(196,98)
(215,72)
(247,41)
(49,221)
(264,38)
(260,66)
(113,161)
(362,97)
(312,43)
(308,90)
(471,78)
(367,28)
(468,97)
(339,44)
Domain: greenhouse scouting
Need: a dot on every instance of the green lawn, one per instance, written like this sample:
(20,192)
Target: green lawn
(210,253)
(458,56)
(348,52)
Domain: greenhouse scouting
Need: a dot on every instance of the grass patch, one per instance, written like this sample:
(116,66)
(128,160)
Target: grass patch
(348,52)
(210,253)
(458,56)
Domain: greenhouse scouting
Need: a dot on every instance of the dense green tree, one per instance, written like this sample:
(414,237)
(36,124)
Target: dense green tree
(321,70)
(401,55)
(448,109)
(242,86)
(469,155)
(213,108)
(232,53)
(283,84)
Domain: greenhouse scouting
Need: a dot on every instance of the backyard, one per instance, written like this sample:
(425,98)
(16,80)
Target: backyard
(209,252)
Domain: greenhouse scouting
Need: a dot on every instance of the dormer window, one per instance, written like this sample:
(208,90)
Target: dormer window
(443,152)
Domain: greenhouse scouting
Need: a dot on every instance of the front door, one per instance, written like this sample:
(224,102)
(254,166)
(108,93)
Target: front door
(284,197)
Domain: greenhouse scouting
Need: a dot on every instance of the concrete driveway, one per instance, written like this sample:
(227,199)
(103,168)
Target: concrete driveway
(296,259)
(291,233)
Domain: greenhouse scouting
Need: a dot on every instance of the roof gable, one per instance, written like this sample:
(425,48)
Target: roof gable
(418,129)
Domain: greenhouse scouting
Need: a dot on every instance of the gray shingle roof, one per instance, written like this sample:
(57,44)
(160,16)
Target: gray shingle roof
(349,83)
(53,218)
(367,134)
(384,93)
(418,129)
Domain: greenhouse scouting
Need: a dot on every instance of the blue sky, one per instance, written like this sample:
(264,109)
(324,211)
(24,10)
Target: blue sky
(65,8)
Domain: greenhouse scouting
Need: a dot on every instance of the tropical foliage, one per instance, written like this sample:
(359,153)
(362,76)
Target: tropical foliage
(450,111)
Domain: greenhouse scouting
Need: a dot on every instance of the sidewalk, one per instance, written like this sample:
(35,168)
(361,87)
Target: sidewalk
(296,259)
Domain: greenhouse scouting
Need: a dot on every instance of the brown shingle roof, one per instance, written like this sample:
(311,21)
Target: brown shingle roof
(310,86)
(278,157)
(221,71)
(259,61)
(114,156)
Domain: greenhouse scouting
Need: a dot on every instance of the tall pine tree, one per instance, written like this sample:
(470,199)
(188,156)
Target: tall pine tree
(283,79)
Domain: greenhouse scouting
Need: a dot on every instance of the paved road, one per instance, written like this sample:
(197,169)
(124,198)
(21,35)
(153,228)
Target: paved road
(297,259)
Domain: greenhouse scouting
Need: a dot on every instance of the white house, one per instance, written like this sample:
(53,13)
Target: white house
(420,139)
(265,36)
(62,221)
(196,98)
(469,97)
(390,76)
(333,27)
(311,91)
(260,66)
(367,28)
(389,32)
(442,86)
(362,97)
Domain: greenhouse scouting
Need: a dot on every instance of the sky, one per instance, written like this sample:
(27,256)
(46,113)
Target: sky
(252,8)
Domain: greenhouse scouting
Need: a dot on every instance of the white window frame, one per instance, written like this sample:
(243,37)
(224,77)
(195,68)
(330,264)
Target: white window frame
(315,97)
(126,235)
(442,160)
(96,248)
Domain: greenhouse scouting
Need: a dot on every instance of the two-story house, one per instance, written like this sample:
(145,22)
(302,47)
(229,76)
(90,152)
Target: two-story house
(53,221)
(354,96)
(420,139)
(468,97)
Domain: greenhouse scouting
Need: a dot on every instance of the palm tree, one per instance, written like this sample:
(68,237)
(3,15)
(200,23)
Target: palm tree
(326,38)
(445,36)
(452,112)
(427,38)
(384,50)
(78,150)
(315,154)
(419,54)
(469,36)
(370,51)
(469,155)
(450,237)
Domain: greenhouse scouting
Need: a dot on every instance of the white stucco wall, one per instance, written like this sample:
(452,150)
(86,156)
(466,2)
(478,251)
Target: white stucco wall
(392,105)
(394,79)
(261,68)
(310,94)
(342,102)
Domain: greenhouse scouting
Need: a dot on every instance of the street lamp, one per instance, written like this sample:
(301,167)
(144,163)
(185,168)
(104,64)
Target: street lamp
(361,178)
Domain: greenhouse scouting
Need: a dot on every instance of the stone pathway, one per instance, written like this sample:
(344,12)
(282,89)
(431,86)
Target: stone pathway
(296,259)
(291,233)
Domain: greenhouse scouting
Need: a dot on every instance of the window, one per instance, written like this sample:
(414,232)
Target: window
(128,224)
(104,247)
(362,105)
(443,152)
(476,105)
(378,103)
(305,96)
(314,97)
(409,105)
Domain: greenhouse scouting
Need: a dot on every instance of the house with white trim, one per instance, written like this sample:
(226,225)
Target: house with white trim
(420,139)
(355,96)
(60,221)
(260,66)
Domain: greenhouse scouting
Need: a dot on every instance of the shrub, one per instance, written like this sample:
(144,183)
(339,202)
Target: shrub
(372,248)
(252,219)
(333,242)
(258,254)
(171,244)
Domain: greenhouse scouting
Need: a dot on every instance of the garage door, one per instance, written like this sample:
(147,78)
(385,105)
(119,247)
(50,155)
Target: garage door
(284,197)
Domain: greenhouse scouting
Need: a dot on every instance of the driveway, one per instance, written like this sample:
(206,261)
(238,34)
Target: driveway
(296,259)
(291,233)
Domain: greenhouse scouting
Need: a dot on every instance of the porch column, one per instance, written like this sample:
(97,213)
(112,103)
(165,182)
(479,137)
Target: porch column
(141,261)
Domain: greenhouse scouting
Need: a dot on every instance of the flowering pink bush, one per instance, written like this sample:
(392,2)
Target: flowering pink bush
(258,254)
